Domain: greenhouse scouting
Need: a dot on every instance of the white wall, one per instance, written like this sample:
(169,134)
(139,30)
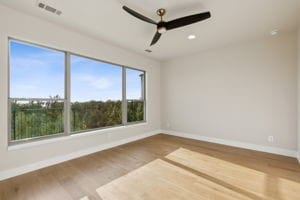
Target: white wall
(244,93)
(298,93)
(25,27)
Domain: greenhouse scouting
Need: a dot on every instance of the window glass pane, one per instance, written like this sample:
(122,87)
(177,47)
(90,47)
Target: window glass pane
(30,118)
(36,90)
(135,110)
(35,71)
(135,81)
(96,94)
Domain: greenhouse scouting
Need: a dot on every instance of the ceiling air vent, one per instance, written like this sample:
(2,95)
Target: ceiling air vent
(41,5)
(49,8)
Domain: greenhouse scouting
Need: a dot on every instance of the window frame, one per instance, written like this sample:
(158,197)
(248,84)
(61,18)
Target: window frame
(67,96)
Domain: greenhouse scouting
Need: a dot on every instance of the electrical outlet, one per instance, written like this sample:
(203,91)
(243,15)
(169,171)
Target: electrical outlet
(271,138)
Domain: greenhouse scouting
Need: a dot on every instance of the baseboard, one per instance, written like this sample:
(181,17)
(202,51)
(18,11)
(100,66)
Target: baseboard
(267,149)
(59,159)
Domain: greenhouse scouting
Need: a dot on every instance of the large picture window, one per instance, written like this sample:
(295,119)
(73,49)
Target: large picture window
(54,93)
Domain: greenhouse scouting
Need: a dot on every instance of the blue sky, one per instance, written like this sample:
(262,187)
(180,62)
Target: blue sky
(37,72)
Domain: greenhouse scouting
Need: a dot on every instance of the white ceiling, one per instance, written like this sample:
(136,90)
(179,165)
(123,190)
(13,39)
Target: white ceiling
(232,21)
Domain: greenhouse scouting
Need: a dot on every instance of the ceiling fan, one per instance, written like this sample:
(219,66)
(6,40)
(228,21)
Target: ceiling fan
(163,26)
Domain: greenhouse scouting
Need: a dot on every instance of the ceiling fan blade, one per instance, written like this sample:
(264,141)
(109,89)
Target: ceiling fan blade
(176,23)
(138,15)
(155,38)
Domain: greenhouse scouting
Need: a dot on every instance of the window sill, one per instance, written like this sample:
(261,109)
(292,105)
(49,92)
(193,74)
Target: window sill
(29,143)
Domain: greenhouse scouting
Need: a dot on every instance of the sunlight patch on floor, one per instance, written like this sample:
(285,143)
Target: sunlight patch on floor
(162,180)
(249,180)
(185,174)
(85,198)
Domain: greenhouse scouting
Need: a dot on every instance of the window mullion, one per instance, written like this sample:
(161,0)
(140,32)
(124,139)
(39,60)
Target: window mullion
(144,95)
(124,100)
(67,104)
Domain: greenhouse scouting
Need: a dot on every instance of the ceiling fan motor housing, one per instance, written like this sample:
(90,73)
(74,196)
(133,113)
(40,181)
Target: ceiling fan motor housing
(161,27)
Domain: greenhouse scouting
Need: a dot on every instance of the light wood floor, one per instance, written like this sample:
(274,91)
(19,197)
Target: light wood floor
(162,167)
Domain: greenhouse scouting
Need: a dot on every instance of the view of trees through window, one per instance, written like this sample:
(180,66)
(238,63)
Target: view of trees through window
(36,118)
(38,99)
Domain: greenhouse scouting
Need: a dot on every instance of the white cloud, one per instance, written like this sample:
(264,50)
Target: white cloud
(98,83)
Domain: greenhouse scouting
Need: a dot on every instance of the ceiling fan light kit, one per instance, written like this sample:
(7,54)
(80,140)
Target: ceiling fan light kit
(163,26)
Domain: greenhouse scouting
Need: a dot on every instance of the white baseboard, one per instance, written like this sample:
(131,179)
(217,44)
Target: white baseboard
(267,149)
(59,159)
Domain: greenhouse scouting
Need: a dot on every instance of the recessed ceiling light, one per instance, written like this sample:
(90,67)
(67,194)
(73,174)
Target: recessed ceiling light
(274,32)
(191,37)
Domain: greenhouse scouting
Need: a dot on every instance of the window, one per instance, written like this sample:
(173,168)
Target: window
(36,91)
(56,93)
(96,97)
(135,95)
